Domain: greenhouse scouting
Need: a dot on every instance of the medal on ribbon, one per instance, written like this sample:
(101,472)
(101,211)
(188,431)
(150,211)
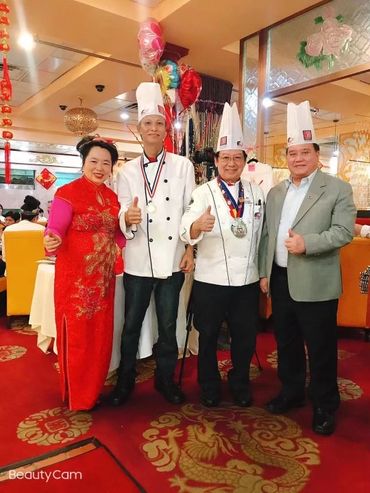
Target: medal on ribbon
(151,207)
(238,226)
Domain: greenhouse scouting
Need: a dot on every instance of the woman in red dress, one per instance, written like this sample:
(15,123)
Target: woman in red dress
(83,231)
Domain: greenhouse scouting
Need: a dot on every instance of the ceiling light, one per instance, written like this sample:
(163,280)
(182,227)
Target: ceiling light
(177,125)
(80,120)
(267,102)
(26,41)
(124,116)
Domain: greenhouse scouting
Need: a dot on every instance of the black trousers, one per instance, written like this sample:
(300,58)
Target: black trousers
(138,291)
(212,304)
(313,324)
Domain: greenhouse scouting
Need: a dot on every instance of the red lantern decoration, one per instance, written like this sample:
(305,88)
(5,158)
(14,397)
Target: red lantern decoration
(7,162)
(5,88)
(4,46)
(5,108)
(4,8)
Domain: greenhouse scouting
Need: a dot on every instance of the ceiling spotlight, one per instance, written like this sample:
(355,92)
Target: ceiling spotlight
(267,102)
(26,41)
(177,125)
(124,116)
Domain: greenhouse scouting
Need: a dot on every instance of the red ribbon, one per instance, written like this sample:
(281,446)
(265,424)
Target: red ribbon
(8,177)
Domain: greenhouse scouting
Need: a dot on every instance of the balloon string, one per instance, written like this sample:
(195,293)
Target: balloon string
(136,138)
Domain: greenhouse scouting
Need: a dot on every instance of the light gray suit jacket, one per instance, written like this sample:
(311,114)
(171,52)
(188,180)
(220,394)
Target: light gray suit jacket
(326,221)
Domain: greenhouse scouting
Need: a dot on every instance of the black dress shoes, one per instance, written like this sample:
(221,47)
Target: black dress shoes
(209,399)
(242,398)
(170,391)
(323,422)
(281,404)
(119,395)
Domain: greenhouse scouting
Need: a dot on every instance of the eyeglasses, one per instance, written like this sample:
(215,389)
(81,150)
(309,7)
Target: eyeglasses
(234,159)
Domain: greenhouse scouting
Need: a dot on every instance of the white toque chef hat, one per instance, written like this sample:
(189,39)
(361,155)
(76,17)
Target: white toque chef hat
(230,136)
(149,100)
(300,128)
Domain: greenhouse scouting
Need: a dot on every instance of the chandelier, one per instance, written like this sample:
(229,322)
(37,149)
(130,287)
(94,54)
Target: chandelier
(80,120)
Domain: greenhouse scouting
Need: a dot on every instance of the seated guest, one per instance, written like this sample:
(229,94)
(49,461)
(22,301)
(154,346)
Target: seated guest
(11,217)
(2,218)
(29,216)
(42,219)
(362,230)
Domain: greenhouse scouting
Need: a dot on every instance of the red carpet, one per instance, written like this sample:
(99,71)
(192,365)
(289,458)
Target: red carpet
(190,449)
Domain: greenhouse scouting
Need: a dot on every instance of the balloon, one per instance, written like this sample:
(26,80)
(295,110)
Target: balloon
(190,87)
(151,44)
(173,73)
(163,78)
(167,75)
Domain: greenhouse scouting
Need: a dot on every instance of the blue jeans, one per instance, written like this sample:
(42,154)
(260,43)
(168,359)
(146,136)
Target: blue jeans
(138,291)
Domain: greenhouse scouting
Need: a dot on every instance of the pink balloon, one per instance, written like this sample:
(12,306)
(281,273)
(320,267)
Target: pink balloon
(156,28)
(151,44)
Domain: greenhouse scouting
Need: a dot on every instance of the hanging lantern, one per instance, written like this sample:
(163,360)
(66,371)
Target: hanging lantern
(5,89)
(80,120)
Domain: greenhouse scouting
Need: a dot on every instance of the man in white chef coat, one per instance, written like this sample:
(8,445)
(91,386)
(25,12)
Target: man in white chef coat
(154,190)
(225,220)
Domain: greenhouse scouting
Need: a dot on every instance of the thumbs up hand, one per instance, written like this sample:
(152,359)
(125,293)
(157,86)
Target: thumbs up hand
(133,213)
(295,243)
(206,221)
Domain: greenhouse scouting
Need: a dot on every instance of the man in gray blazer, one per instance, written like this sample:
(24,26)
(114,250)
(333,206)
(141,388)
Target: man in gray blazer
(308,218)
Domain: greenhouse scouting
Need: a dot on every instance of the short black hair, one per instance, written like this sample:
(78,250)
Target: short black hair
(244,153)
(315,146)
(87,143)
(14,215)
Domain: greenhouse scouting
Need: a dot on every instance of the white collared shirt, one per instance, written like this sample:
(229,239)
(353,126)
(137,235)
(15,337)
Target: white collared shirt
(293,201)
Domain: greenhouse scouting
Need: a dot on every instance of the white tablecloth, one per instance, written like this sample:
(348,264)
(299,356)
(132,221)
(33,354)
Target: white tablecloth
(42,316)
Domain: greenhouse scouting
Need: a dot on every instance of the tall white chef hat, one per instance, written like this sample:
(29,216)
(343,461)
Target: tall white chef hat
(299,124)
(230,137)
(149,100)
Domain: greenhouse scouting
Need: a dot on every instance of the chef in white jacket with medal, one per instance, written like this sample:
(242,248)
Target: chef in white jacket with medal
(225,220)
(154,190)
